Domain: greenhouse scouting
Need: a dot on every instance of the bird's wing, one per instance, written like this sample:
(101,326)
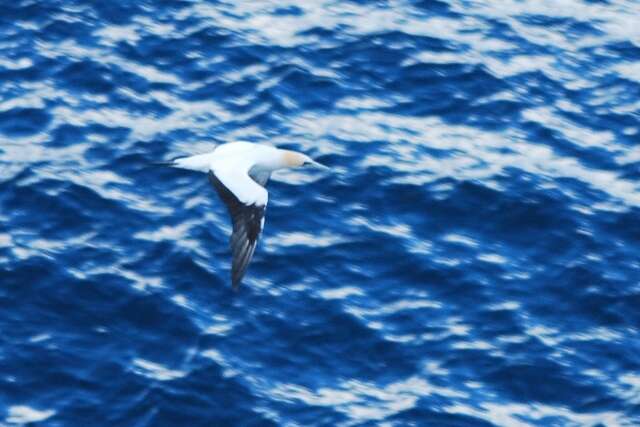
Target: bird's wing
(246,202)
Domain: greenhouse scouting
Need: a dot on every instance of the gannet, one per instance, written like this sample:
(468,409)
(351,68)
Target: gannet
(239,171)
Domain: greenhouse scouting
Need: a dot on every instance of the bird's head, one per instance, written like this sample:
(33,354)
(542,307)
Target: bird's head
(293,159)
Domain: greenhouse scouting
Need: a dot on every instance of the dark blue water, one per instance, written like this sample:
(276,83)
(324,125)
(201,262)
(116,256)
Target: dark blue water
(473,259)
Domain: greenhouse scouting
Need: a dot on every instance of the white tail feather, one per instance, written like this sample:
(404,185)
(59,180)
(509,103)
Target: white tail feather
(199,162)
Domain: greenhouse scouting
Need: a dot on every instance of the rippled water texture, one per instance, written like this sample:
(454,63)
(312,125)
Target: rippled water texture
(472,260)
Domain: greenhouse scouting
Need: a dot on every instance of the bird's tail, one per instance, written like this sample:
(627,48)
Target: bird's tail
(171,163)
(199,162)
(176,162)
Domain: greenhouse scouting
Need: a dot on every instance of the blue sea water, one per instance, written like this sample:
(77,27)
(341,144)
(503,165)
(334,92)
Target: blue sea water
(472,259)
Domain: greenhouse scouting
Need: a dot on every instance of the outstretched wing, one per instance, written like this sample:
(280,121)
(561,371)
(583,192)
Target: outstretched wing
(247,217)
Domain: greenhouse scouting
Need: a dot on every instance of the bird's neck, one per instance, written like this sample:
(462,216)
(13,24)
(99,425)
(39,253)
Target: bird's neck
(275,161)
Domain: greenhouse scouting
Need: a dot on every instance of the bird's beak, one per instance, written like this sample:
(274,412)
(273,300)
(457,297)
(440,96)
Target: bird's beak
(320,165)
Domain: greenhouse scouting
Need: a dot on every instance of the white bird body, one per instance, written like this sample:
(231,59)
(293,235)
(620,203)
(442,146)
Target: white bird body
(239,171)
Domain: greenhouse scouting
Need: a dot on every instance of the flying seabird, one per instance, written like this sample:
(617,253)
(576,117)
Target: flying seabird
(239,171)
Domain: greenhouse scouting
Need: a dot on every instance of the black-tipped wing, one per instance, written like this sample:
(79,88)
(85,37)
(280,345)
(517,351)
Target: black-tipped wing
(247,221)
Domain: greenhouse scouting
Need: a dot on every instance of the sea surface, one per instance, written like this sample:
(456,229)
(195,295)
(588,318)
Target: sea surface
(472,259)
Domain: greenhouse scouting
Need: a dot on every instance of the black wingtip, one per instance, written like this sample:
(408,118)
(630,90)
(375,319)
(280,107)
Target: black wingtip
(235,284)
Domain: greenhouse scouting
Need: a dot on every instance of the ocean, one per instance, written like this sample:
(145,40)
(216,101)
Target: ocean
(472,258)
